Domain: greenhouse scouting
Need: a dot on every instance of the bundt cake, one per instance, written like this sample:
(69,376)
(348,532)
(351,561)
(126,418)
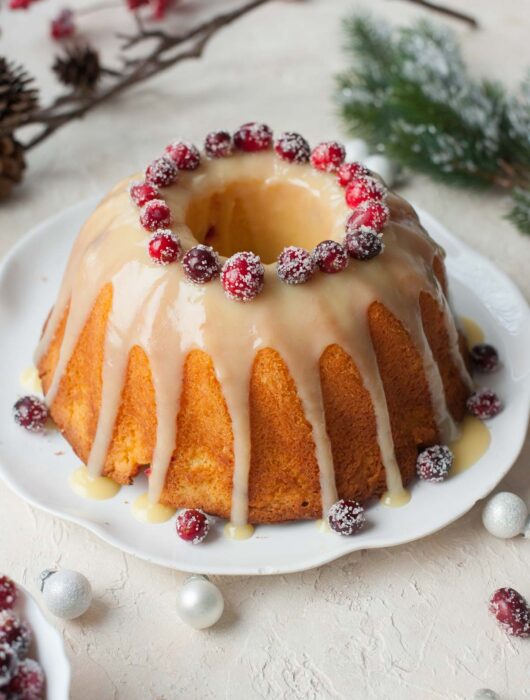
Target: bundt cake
(261,327)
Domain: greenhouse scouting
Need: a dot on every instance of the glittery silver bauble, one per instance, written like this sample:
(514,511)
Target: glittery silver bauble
(505,515)
(356,149)
(485,694)
(67,593)
(383,166)
(200,603)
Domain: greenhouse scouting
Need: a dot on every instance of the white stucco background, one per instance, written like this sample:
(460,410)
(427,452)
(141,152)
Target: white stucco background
(405,623)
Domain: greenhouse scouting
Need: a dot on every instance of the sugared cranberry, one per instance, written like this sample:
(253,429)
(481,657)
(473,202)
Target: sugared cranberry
(27,683)
(328,156)
(155,214)
(242,276)
(485,358)
(184,155)
(143,192)
(164,247)
(15,632)
(201,264)
(330,256)
(252,137)
(484,404)
(295,265)
(293,148)
(136,4)
(8,664)
(434,463)
(364,243)
(511,611)
(63,26)
(192,525)
(31,413)
(346,517)
(348,171)
(364,189)
(161,172)
(371,214)
(8,593)
(218,144)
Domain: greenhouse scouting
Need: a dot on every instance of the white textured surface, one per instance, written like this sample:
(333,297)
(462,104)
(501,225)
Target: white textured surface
(407,623)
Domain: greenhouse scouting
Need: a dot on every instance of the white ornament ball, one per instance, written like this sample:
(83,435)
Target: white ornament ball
(526,531)
(200,603)
(485,694)
(505,515)
(383,166)
(67,593)
(356,149)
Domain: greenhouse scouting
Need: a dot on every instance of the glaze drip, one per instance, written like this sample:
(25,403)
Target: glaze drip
(155,309)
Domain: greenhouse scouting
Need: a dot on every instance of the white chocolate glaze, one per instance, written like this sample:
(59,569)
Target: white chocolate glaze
(155,308)
(154,513)
(30,380)
(99,488)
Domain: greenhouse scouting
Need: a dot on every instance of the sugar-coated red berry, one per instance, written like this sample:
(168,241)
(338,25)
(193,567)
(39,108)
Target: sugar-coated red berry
(434,463)
(8,664)
(218,144)
(484,357)
(27,683)
(349,171)
(511,612)
(143,192)
(192,525)
(155,214)
(370,214)
(484,404)
(184,155)
(201,264)
(242,276)
(252,137)
(364,189)
(346,517)
(330,257)
(363,243)
(295,265)
(8,593)
(63,26)
(15,632)
(164,247)
(328,156)
(31,413)
(293,148)
(162,172)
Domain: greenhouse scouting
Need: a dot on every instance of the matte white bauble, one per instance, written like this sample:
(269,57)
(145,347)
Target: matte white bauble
(356,149)
(485,694)
(67,594)
(383,166)
(505,515)
(200,603)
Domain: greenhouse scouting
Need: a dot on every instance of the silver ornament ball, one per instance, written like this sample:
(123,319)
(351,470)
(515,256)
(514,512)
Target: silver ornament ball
(485,694)
(200,603)
(383,166)
(67,593)
(505,515)
(357,150)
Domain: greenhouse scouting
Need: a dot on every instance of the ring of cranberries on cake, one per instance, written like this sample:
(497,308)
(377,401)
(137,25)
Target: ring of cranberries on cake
(263,411)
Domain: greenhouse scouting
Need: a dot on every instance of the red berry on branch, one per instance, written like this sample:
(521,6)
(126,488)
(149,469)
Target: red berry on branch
(8,593)
(63,26)
(346,517)
(184,155)
(31,413)
(328,156)
(155,214)
(143,192)
(511,612)
(484,404)
(201,264)
(293,148)
(164,247)
(371,214)
(252,137)
(330,257)
(348,171)
(295,265)
(192,525)
(242,276)
(162,172)
(363,243)
(364,189)
(218,144)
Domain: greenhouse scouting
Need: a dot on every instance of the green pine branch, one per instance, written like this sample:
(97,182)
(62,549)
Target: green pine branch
(408,92)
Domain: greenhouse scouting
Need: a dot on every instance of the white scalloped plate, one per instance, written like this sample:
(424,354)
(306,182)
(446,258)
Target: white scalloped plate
(47,646)
(37,467)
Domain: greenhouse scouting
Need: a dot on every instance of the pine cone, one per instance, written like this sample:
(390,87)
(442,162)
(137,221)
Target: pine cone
(79,67)
(18,98)
(12,164)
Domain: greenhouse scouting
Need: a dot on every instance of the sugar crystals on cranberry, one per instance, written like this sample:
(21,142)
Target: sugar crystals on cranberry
(8,663)
(164,247)
(330,256)
(8,593)
(14,632)
(295,265)
(484,404)
(201,264)
(185,155)
(363,243)
(242,276)
(218,144)
(142,192)
(346,517)
(511,611)
(328,156)
(484,357)
(434,463)
(155,214)
(27,683)
(371,214)
(364,189)
(30,413)
(292,147)
(162,172)
(348,171)
(192,525)
(253,137)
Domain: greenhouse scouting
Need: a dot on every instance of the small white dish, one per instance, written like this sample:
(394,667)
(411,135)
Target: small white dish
(47,646)
(37,467)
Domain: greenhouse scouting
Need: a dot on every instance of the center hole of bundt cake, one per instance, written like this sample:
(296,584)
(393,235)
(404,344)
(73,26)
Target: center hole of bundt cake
(262,217)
